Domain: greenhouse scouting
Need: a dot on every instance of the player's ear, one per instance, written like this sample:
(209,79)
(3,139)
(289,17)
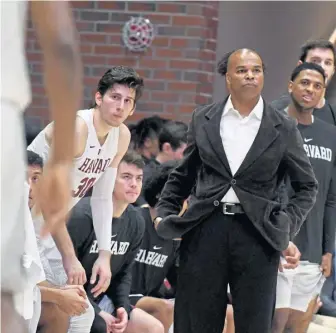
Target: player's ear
(290,87)
(98,98)
(299,63)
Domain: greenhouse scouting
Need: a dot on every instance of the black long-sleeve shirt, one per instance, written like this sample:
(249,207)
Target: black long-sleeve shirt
(154,261)
(317,234)
(127,233)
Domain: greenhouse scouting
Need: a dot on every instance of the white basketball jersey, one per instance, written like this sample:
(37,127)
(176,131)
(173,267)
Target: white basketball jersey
(89,167)
(15,87)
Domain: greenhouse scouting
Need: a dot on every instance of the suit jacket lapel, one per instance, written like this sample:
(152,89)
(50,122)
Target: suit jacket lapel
(266,135)
(212,129)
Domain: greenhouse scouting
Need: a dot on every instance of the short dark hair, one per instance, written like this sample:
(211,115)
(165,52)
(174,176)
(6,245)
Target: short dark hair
(146,128)
(222,66)
(317,44)
(132,157)
(34,159)
(174,133)
(153,186)
(121,75)
(305,66)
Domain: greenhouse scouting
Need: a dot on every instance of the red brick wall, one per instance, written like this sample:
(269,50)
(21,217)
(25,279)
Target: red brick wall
(178,68)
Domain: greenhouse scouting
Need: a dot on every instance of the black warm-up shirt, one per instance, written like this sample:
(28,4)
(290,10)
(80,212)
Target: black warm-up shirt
(317,234)
(326,113)
(154,261)
(127,233)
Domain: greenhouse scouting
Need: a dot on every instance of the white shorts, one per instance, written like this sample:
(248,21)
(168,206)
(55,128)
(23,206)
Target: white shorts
(13,171)
(296,288)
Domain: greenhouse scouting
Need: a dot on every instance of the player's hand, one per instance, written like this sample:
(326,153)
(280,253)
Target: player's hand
(292,256)
(71,301)
(109,320)
(326,264)
(74,270)
(101,268)
(121,321)
(54,195)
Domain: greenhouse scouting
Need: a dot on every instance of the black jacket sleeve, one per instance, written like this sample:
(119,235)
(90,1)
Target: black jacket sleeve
(329,222)
(80,226)
(302,178)
(120,287)
(182,179)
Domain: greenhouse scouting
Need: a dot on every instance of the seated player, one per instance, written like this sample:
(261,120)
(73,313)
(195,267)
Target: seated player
(63,308)
(113,311)
(157,257)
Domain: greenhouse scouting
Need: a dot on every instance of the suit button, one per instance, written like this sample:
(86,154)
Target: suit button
(216,203)
(233,182)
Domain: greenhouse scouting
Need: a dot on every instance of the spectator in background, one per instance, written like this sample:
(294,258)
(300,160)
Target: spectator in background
(172,142)
(144,137)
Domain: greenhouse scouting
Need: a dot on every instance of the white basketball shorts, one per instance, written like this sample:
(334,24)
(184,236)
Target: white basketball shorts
(296,288)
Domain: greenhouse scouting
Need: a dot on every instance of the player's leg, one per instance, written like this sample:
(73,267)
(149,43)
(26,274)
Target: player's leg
(306,287)
(159,308)
(142,322)
(12,214)
(284,287)
(52,319)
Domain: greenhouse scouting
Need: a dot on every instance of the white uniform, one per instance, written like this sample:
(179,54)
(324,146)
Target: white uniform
(88,168)
(15,96)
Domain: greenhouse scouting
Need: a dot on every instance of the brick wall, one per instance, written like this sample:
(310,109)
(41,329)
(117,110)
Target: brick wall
(178,68)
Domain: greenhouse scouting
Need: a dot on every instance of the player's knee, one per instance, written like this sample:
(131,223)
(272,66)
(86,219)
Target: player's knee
(52,316)
(157,327)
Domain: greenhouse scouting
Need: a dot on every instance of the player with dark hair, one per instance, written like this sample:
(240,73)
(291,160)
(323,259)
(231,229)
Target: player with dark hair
(113,311)
(144,136)
(101,141)
(321,52)
(297,290)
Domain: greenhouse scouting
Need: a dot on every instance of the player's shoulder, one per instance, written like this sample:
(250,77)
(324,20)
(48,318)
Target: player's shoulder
(328,129)
(124,132)
(136,218)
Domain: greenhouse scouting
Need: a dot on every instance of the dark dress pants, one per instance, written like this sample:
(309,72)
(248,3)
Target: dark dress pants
(225,249)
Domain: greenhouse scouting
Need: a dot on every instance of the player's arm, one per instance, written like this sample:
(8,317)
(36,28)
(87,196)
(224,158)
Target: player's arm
(63,71)
(102,213)
(101,199)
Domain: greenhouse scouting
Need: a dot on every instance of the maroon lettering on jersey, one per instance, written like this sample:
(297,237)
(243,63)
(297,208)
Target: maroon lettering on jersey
(84,185)
(84,165)
(99,166)
(107,163)
(99,151)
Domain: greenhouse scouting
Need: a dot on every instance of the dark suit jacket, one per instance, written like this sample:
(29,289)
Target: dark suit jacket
(277,149)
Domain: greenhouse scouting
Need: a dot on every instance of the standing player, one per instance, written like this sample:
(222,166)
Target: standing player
(101,141)
(297,290)
(57,37)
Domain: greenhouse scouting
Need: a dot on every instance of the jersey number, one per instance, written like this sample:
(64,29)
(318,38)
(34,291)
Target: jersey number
(83,187)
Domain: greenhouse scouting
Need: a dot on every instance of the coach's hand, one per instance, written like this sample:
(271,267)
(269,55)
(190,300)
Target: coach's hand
(102,268)
(326,264)
(54,195)
(292,256)
(74,270)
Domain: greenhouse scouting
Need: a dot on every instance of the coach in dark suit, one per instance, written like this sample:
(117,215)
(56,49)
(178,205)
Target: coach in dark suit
(235,228)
